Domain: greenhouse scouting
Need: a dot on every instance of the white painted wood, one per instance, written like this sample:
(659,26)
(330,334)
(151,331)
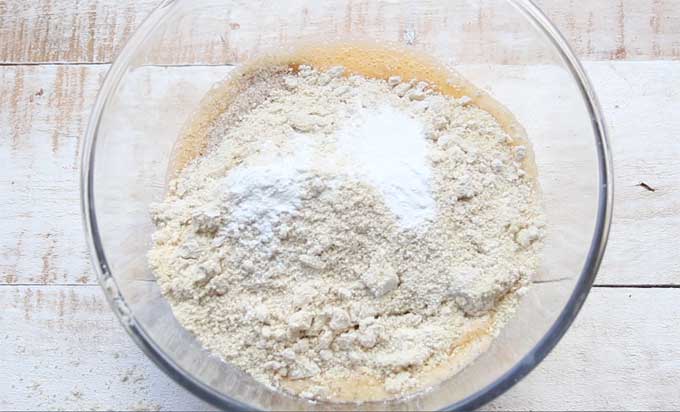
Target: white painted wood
(95,30)
(63,349)
(641,102)
(43,114)
(44,109)
(68,30)
(620,354)
(618,29)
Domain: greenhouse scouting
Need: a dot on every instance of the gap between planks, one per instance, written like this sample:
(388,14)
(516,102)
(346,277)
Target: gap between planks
(49,285)
(108,63)
(599,286)
(659,286)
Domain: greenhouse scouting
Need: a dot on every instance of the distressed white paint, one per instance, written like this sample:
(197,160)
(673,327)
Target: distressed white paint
(620,354)
(68,31)
(641,102)
(63,349)
(43,114)
(95,30)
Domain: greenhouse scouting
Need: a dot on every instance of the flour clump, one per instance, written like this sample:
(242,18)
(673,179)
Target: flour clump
(343,231)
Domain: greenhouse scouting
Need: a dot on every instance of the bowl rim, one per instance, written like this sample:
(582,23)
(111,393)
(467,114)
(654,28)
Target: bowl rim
(473,401)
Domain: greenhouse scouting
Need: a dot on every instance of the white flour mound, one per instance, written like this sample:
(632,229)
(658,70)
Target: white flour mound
(389,151)
(348,233)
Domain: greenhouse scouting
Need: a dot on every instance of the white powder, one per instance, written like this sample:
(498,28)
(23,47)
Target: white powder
(389,151)
(384,148)
(265,188)
(344,235)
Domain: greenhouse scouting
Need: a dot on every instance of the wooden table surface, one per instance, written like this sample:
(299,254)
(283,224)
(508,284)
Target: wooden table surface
(62,348)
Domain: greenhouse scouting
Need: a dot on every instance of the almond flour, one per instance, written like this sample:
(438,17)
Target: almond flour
(342,229)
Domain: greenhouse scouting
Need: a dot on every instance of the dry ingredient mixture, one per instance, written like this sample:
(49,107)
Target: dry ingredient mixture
(344,229)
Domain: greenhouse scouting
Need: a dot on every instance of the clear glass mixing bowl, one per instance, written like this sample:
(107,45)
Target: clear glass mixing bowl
(505,47)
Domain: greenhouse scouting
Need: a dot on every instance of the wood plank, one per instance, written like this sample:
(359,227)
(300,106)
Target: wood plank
(43,114)
(618,29)
(620,354)
(88,31)
(93,31)
(44,109)
(641,102)
(63,349)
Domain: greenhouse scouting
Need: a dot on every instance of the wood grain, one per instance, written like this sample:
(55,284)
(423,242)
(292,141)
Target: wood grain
(44,109)
(641,102)
(620,354)
(67,30)
(93,31)
(43,114)
(63,348)
(618,29)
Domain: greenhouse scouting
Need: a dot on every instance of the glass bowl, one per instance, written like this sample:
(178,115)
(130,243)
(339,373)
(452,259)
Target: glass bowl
(507,48)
